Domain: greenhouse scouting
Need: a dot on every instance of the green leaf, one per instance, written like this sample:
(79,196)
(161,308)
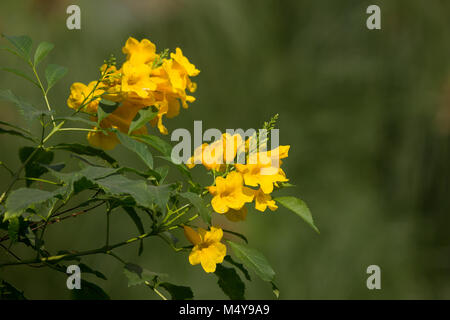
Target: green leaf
(156,143)
(105,108)
(86,269)
(238,265)
(21,199)
(160,195)
(299,207)
(237,234)
(162,172)
(148,174)
(15,127)
(16,133)
(197,201)
(89,291)
(254,260)
(86,150)
(8,292)
(85,178)
(13,229)
(177,292)
(26,109)
(137,147)
(34,168)
(42,51)
(137,275)
(230,282)
(119,185)
(20,74)
(163,147)
(142,117)
(22,45)
(53,73)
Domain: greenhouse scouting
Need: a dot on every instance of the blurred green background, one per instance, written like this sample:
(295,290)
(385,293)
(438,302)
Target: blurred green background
(367,115)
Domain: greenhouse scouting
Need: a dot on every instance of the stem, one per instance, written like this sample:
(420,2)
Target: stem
(107,227)
(6,167)
(116,256)
(170,244)
(177,217)
(44,92)
(69,256)
(79,129)
(57,219)
(42,180)
(156,291)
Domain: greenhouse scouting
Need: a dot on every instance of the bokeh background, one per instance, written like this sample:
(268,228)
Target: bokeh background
(367,115)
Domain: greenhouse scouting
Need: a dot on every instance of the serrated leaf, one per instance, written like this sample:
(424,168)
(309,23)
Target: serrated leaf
(53,73)
(42,51)
(105,108)
(22,45)
(16,127)
(137,275)
(16,133)
(20,74)
(299,207)
(26,109)
(86,150)
(197,201)
(230,282)
(120,185)
(238,265)
(137,147)
(177,292)
(89,291)
(164,148)
(157,143)
(160,195)
(163,172)
(34,168)
(83,179)
(21,199)
(142,117)
(254,260)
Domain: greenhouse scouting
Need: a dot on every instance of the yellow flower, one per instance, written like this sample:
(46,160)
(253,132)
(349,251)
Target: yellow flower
(236,215)
(119,119)
(230,193)
(136,82)
(142,52)
(216,155)
(167,106)
(78,94)
(145,79)
(184,63)
(261,170)
(264,201)
(208,250)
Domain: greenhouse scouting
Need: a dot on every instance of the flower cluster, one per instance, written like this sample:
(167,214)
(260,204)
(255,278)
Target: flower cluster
(145,79)
(234,186)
